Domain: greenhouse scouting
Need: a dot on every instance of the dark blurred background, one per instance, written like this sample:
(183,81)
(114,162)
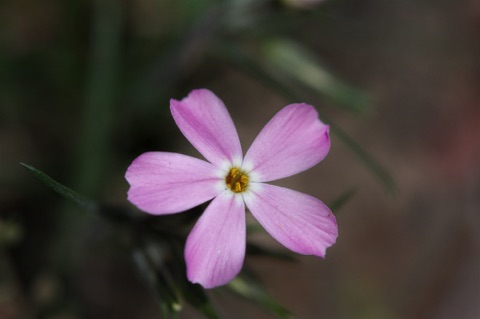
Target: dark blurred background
(85,88)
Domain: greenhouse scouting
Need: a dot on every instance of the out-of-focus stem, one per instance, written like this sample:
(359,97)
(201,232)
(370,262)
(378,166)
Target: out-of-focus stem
(100,96)
(93,145)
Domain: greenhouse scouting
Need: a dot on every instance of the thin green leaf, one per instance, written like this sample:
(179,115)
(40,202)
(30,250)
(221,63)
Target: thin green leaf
(151,258)
(251,290)
(257,250)
(194,294)
(380,172)
(246,62)
(165,297)
(342,199)
(237,55)
(102,77)
(290,59)
(160,261)
(63,190)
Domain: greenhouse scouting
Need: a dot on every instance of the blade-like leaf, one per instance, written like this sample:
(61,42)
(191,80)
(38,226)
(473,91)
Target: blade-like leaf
(365,157)
(152,257)
(194,294)
(246,62)
(102,79)
(342,199)
(159,257)
(161,285)
(290,59)
(251,290)
(166,297)
(63,190)
(257,250)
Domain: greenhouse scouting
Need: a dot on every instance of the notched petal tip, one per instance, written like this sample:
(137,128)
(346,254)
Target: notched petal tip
(294,140)
(192,94)
(332,226)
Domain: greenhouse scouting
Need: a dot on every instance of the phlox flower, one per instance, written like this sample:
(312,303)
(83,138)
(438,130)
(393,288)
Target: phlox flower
(166,183)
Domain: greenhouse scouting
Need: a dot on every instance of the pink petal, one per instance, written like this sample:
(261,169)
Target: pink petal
(215,248)
(204,120)
(166,183)
(298,221)
(294,140)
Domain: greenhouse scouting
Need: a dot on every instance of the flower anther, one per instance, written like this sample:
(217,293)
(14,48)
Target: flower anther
(237,180)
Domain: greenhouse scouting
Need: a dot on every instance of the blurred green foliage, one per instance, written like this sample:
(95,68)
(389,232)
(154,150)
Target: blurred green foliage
(92,81)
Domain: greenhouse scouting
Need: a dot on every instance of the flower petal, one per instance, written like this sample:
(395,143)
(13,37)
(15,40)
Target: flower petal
(294,140)
(166,183)
(204,120)
(298,221)
(215,248)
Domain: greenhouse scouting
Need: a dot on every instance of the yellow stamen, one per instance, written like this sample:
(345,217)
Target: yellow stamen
(236,180)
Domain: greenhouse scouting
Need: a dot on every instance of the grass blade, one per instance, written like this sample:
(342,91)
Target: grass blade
(63,190)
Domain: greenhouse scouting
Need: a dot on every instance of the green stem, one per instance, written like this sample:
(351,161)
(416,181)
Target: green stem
(100,96)
(93,145)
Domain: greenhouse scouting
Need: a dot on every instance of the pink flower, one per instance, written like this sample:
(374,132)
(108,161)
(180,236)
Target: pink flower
(165,183)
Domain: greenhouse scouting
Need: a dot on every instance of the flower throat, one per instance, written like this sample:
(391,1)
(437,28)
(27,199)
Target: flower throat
(237,180)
